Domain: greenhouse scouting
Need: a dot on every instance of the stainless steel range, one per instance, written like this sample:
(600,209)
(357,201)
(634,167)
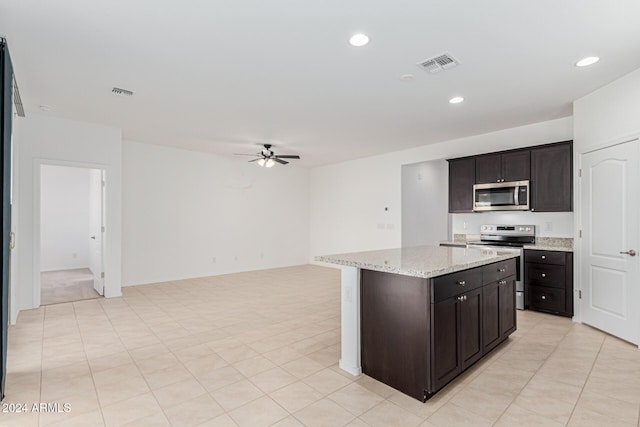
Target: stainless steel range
(508,238)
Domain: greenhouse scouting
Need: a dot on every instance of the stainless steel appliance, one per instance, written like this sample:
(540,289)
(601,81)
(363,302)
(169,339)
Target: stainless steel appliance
(501,196)
(508,238)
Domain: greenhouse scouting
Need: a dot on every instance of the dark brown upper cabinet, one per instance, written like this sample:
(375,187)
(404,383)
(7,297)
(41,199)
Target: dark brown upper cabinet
(502,167)
(462,176)
(552,178)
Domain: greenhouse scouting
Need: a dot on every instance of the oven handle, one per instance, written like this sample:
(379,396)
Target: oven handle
(515,195)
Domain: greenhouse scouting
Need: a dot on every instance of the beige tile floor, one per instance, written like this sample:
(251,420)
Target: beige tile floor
(261,348)
(66,286)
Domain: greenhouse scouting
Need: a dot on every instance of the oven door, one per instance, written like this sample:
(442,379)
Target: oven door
(503,196)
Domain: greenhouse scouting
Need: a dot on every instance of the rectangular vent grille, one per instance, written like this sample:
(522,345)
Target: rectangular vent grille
(438,63)
(121,92)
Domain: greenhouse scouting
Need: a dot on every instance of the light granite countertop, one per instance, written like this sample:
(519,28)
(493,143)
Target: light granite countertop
(419,261)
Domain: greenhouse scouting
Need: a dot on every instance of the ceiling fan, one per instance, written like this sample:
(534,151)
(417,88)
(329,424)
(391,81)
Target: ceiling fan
(267,158)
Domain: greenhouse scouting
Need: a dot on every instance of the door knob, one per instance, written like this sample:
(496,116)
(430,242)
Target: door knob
(630,252)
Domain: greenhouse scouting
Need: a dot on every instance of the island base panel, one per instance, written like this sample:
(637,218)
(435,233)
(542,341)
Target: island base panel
(394,341)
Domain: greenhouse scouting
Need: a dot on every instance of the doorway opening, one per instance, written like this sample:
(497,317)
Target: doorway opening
(71,266)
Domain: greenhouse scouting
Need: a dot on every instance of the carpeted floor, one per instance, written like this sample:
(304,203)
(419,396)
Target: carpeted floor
(66,286)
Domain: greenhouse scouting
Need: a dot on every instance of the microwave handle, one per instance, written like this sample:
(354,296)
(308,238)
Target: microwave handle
(515,195)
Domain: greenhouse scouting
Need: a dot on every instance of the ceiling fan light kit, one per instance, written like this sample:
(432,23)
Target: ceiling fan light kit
(267,158)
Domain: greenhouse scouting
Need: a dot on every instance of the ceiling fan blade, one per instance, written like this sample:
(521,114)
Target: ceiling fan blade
(243,154)
(288,156)
(254,160)
(282,162)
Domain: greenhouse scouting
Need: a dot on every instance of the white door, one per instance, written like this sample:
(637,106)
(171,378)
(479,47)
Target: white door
(96,198)
(610,204)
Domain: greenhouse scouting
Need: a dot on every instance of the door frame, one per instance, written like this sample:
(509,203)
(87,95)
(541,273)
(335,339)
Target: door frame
(98,278)
(577,248)
(37,163)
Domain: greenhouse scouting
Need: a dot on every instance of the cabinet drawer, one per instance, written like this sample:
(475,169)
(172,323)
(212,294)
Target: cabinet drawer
(544,298)
(498,270)
(545,257)
(545,275)
(455,284)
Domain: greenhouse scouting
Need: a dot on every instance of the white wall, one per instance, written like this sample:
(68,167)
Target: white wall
(608,114)
(425,201)
(64,218)
(47,140)
(182,209)
(348,199)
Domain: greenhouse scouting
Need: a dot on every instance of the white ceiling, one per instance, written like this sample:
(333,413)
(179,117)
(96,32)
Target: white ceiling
(222,75)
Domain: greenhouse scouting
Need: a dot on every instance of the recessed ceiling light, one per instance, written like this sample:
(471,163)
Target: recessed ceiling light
(406,77)
(45,108)
(589,60)
(456,100)
(359,40)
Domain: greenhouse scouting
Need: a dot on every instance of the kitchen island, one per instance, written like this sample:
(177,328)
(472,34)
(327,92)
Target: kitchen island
(415,318)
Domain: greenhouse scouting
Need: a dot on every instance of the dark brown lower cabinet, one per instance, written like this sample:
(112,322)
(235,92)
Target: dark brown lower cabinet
(457,339)
(548,281)
(499,315)
(419,334)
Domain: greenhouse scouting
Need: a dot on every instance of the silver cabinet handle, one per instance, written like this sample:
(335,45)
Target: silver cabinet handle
(544,275)
(544,297)
(502,282)
(630,252)
(543,257)
(462,283)
(502,270)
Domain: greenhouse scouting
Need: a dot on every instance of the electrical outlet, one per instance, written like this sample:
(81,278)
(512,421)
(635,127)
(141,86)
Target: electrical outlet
(548,226)
(464,225)
(213,260)
(380,226)
(74,255)
(348,294)
(235,258)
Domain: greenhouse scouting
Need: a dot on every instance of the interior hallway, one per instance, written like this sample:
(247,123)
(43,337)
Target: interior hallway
(66,286)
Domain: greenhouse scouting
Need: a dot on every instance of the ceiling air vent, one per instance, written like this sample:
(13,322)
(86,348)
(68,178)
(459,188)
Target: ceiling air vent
(438,63)
(121,92)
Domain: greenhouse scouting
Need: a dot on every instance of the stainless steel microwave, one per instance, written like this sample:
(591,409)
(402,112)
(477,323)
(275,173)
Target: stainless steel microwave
(501,196)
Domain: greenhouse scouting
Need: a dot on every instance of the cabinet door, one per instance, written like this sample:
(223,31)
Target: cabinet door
(507,306)
(462,176)
(516,166)
(470,331)
(498,311)
(552,178)
(491,330)
(488,168)
(445,361)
